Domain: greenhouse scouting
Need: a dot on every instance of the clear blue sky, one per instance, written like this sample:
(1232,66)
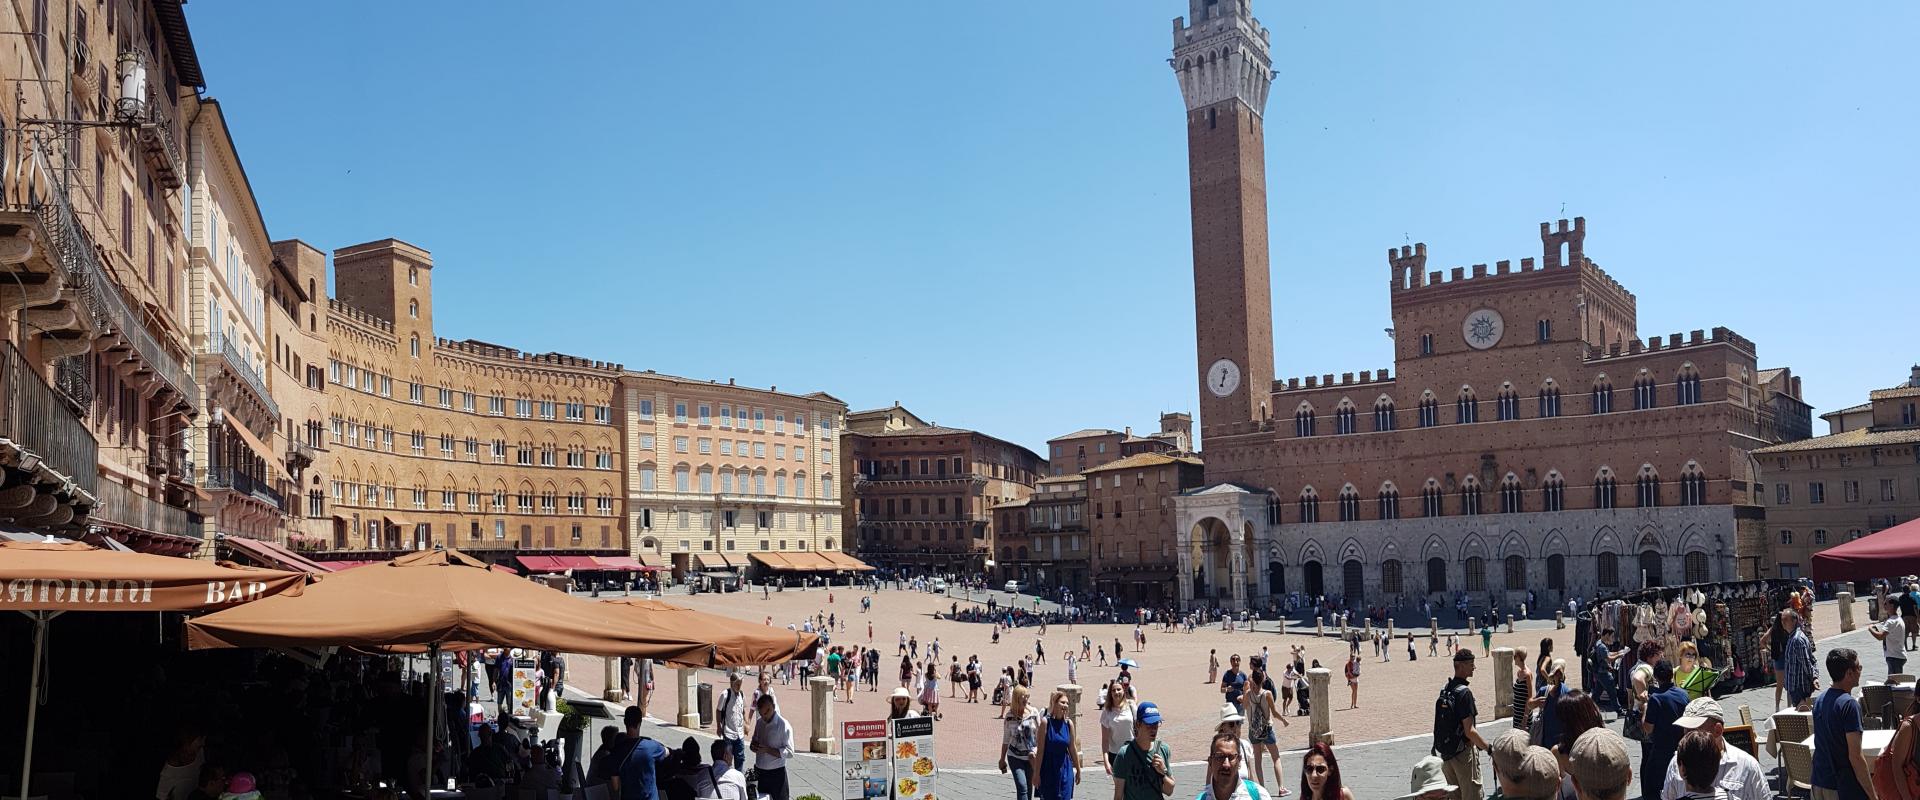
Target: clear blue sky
(980,208)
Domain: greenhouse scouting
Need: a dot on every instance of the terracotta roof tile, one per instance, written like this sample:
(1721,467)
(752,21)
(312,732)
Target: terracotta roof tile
(1855,438)
(1146,460)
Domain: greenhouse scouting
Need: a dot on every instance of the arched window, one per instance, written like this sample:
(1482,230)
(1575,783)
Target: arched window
(1349,504)
(1549,400)
(1507,404)
(1695,565)
(1273,510)
(1644,393)
(1510,495)
(1819,536)
(1602,397)
(1470,497)
(1303,421)
(1465,408)
(1390,577)
(1556,573)
(1786,537)
(1429,411)
(1345,420)
(1430,500)
(413,345)
(1553,493)
(1603,489)
(1693,486)
(1476,574)
(1309,505)
(413,309)
(1607,570)
(1436,575)
(1687,388)
(1389,502)
(1383,414)
(1516,573)
(1646,488)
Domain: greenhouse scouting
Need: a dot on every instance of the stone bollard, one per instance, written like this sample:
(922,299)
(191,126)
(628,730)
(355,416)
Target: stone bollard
(1283,626)
(1073,700)
(1433,626)
(1846,610)
(1369,629)
(822,688)
(1473,625)
(1503,676)
(689,680)
(1559,621)
(1320,718)
(1319,627)
(1509,625)
(612,693)
(1389,628)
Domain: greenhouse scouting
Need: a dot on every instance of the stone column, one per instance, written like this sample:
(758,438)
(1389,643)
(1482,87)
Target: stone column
(689,681)
(1369,629)
(1320,718)
(1319,627)
(1389,628)
(612,693)
(1283,624)
(1473,625)
(1509,625)
(1502,677)
(822,688)
(1073,701)
(1846,610)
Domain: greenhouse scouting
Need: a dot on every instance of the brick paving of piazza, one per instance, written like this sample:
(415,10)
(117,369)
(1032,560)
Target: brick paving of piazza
(1377,746)
(1395,697)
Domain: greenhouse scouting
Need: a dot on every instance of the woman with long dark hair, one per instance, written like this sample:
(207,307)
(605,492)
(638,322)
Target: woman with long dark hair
(1320,775)
(1578,713)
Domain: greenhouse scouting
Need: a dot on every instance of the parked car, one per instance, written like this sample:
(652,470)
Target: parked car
(939,585)
(1014,587)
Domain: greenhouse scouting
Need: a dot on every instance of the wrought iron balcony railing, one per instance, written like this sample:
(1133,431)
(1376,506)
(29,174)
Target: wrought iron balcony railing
(230,478)
(223,347)
(120,506)
(37,420)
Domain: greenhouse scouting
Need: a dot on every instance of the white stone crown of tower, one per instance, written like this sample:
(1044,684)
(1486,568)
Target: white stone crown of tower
(1222,55)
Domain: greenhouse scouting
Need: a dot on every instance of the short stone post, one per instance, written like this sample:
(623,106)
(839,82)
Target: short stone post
(1389,628)
(1559,621)
(1503,676)
(1433,626)
(1283,626)
(1509,627)
(1319,627)
(1320,718)
(822,688)
(1369,629)
(689,680)
(612,693)
(1073,701)
(1846,610)
(1473,625)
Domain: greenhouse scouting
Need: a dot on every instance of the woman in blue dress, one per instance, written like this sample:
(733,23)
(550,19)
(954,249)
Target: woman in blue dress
(1058,752)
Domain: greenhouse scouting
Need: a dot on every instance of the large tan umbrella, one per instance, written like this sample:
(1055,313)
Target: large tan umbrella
(736,642)
(46,579)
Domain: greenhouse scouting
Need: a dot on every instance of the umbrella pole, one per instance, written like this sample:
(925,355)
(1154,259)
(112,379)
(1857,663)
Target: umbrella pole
(40,620)
(433,707)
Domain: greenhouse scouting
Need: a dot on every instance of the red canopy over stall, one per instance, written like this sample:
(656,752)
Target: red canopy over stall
(1888,554)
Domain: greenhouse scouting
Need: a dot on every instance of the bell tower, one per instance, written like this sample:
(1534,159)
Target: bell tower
(1221,58)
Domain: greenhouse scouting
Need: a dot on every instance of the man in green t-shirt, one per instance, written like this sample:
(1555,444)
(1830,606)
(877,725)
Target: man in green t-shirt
(1144,768)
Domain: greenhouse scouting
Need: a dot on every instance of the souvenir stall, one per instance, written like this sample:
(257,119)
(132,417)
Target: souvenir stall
(1724,622)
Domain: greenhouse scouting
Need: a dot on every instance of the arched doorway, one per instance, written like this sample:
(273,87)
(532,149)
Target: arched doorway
(1276,578)
(1353,582)
(1436,575)
(1316,584)
(1650,567)
(1210,555)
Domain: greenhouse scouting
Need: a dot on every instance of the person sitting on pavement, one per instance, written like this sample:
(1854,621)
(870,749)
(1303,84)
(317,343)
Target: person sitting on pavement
(540,775)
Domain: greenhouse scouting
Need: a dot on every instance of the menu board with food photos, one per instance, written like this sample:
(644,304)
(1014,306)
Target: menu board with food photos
(914,764)
(866,763)
(526,688)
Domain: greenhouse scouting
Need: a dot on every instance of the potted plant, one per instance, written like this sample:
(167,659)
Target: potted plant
(573,728)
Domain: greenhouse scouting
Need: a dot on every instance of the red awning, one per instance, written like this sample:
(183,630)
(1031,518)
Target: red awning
(619,563)
(542,563)
(1891,553)
(337,566)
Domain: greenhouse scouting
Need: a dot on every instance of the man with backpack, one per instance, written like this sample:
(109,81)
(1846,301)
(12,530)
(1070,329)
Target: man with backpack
(1456,735)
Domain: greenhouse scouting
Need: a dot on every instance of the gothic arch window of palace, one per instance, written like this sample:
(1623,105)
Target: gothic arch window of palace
(1645,391)
(1603,488)
(1553,492)
(1345,418)
(1470,495)
(1515,572)
(1687,385)
(1549,400)
(1430,499)
(1507,404)
(1646,487)
(1436,574)
(1476,570)
(1429,410)
(1694,567)
(1389,501)
(1309,505)
(1556,573)
(1349,503)
(1303,420)
(1607,570)
(1510,495)
(1693,485)
(1602,395)
(1383,413)
(1466,407)
(1390,580)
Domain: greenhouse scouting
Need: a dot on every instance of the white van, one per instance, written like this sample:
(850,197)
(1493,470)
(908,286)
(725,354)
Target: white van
(1013,586)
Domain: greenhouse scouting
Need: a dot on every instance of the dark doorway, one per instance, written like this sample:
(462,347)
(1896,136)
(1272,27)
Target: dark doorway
(1315,581)
(1276,578)
(1650,566)
(1353,582)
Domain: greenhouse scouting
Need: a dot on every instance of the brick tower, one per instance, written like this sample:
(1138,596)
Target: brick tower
(1221,59)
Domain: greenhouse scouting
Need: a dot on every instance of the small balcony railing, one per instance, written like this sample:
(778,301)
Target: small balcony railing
(37,420)
(230,478)
(120,506)
(223,347)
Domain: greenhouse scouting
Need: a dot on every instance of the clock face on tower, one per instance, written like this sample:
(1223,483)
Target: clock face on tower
(1482,329)
(1223,377)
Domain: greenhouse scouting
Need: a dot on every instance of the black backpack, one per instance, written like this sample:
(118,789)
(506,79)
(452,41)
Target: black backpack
(1448,741)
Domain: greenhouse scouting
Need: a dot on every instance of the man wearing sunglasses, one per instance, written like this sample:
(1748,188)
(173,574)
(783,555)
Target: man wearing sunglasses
(1839,768)
(1223,773)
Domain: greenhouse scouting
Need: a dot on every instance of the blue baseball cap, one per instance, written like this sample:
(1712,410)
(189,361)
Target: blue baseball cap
(1148,713)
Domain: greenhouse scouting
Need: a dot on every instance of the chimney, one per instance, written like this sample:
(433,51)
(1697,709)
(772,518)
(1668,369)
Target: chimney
(1129,431)
(1914,379)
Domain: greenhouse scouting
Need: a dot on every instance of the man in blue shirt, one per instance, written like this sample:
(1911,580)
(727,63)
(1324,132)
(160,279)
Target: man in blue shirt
(1839,768)
(1233,682)
(1800,677)
(634,780)
(1665,704)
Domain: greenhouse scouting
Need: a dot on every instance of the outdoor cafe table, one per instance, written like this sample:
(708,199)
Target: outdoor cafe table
(1872,743)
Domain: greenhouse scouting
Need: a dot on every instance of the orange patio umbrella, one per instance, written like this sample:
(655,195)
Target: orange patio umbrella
(46,579)
(736,642)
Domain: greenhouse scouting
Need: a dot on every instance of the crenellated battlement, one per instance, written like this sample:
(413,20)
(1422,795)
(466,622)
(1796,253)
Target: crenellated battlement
(1562,246)
(1326,381)
(1670,342)
(334,306)
(485,350)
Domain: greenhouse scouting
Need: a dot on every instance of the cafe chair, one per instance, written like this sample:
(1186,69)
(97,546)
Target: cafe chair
(1746,715)
(1873,699)
(1799,770)
(1788,729)
(1901,677)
